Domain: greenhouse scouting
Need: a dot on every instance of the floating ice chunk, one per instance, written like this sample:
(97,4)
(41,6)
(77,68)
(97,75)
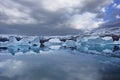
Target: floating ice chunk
(23,48)
(93,37)
(35,49)
(35,43)
(107,51)
(55,47)
(102,45)
(53,42)
(18,46)
(100,41)
(12,45)
(117,42)
(3,44)
(12,39)
(36,40)
(24,41)
(69,43)
(86,39)
(82,48)
(107,38)
(47,44)
(95,45)
(13,49)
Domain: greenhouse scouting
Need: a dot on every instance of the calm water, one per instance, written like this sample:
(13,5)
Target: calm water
(58,65)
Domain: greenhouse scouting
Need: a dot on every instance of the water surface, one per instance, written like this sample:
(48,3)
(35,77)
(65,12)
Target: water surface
(58,65)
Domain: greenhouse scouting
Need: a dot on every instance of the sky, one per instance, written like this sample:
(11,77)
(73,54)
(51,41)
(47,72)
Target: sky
(56,17)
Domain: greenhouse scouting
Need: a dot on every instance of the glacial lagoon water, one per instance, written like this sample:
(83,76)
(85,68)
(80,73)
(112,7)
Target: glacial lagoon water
(87,61)
(58,65)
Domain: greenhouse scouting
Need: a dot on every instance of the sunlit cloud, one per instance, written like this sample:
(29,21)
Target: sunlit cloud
(56,5)
(118,6)
(85,21)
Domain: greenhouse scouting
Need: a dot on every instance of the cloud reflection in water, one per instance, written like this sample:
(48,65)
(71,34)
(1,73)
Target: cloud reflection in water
(58,65)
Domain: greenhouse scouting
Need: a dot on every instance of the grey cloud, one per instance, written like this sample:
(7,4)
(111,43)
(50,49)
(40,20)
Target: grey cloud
(109,24)
(37,30)
(46,22)
(93,6)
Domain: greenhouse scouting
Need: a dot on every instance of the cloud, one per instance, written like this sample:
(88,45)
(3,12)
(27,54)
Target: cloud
(118,6)
(118,17)
(14,13)
(112,17)
(85,21)
(52,14)
(11,68)
(39,30)
(56,5)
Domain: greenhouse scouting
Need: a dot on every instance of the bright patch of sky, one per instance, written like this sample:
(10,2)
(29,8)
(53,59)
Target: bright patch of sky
(113,11)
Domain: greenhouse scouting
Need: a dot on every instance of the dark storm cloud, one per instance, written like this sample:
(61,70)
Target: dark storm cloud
(37,30)
(35,18)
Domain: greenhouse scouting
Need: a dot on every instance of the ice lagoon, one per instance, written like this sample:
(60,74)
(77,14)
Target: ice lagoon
(88,58)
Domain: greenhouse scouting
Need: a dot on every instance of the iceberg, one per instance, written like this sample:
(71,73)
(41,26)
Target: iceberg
(95,43)
(82,43)
(54,43)
(70,43)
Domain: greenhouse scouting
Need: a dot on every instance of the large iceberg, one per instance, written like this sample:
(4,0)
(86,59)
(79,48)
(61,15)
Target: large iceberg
(95,43)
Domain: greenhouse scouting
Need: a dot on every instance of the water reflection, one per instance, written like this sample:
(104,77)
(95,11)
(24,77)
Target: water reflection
(59,65)
(108,49)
